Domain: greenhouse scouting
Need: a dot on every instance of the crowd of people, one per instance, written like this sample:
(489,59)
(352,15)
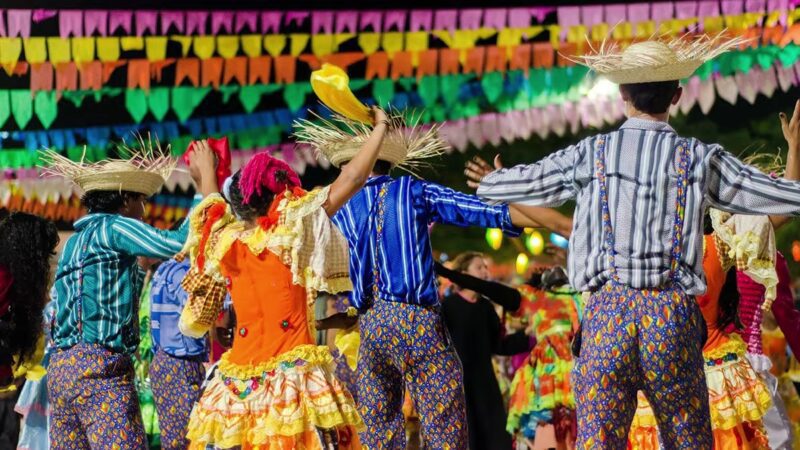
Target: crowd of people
(276,317)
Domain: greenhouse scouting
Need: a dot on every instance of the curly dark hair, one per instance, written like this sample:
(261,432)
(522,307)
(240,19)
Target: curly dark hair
(108,202)
(259,204)
(26,244)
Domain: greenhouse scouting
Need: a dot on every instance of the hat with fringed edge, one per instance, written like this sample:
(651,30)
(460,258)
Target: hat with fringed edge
(143,170)
(657,59)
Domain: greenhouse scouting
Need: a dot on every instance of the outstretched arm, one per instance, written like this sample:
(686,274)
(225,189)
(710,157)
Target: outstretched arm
(355,173)
(507,297)
(791,132)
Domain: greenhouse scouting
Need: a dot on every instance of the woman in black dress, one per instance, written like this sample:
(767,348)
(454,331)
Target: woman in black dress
(477,334)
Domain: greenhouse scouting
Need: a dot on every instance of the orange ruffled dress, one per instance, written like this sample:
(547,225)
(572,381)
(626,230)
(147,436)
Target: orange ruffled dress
(274,389)
(738,398)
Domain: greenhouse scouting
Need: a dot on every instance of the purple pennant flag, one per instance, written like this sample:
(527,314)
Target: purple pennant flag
(2,25)
(519,17)
(421,20)
(70,22)
(322,22)
(592,15)
(247,19)
(346,21)
(470,19)
(296,17)
(495,18)
(271,22)
(196,22)
(120,19)
(394,18)
(175,18)
(43,14)
(541,12)
(660,12)
(756,6)
(568,16)
(732,7)
(146,21)
(373,18)
(707,8)
(638,12)
(779,5)
(220,20)
(19,22)
(445,19)
(95,21)
(685,10)
(475,132)
(616,14)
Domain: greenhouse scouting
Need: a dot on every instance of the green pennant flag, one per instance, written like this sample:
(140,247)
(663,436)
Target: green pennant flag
(383,91)
(185,99)
(158,102)
(228,91)
(21,107)
(429,90)
(5,106)
(492,85)
(450,88)
(295,95)
(46,106)
(788,55)
(407,83)
(76,97)
(136,104)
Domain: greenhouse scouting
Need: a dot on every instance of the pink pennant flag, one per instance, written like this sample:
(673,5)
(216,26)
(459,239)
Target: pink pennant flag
(661,12)
(40,15)
(507,127)
(592,15)
(394,18)
(638,12)
(539,122)
(19,22)
(568,16)
(769,82)
(786,77)
(615,14)
(196,22)
(296,17)
(120,19)
(707,8)
(519,17)
(470,19)
(2,25)
(445,19)
(572,117)
(172,18)
(220,20)
(495,18)
(95,21)
(586,112)
(558,123)
(541,12)
(271,22)
(732,7)
(247,19)
(370,19)
(727,89)
(322,22)
(474,131)
(346,21)
(420,20)
(755,6)
(146,21)
(70,23)
(748,84)
(490,128)
(519,121)
(779,5)
(690,92)
(453,133)
(685,10)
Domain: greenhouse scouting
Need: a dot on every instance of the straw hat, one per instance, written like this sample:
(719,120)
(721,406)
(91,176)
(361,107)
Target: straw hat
(144,171)
(657,60)
(340,139)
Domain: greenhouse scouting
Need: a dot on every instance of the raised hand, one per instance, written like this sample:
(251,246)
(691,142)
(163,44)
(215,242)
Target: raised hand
(478,168)
(202,167)
(378,116)
(791,128)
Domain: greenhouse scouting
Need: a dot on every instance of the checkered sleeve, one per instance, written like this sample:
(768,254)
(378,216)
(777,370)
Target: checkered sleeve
(206,298)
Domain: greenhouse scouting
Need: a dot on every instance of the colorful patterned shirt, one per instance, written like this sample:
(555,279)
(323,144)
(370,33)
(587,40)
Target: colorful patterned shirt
(98,280)
(641,166)
(405,263)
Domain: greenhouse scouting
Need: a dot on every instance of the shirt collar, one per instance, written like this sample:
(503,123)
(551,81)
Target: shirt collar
(644,124)
(85,220)
(373,181)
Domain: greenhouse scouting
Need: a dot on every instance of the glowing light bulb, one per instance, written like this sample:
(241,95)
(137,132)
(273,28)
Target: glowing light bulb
(535,243)
(494,237)
(522,263)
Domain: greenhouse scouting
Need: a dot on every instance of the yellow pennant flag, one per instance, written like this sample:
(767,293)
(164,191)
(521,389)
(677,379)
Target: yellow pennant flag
(392,42)
(299,43)
(275,43)
(251,45)
(341,38)
(322,45)
(369,42)
(227,46)
(35,50)
(156,48)
(58,49)
(132,43)
(509,37)
(10,51)
(555,35)
(185,41)
(108,49)
(203,46)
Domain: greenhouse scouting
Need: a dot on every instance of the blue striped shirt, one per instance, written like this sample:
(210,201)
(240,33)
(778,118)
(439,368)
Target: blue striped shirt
(641,168)
(406,260)
(105,248)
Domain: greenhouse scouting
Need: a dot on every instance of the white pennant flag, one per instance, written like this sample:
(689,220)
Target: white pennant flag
(727,89)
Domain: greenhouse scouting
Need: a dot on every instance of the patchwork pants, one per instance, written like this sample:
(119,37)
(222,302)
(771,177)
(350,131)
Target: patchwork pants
(407,346)
(641,340)
(176,385)
(93,400)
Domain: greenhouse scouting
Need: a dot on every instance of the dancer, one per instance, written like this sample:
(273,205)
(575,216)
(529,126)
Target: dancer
(98,282)
(644,271)
(477,335)
(26,245)
(273,250)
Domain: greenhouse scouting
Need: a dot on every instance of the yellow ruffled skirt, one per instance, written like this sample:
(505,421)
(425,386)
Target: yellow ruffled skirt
(738,399)
(291,401)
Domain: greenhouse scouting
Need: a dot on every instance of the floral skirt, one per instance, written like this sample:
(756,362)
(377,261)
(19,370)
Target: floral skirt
(291,401)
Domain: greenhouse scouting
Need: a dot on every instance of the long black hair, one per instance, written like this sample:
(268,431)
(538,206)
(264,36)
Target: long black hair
(259,203)
(26,244)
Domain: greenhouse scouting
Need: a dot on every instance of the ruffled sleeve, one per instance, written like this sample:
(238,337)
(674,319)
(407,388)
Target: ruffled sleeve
(750,243)
(318,251)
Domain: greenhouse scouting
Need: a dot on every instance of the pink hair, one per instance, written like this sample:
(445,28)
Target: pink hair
(265,171)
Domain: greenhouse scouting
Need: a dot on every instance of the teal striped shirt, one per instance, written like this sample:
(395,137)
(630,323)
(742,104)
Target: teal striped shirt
(101,306)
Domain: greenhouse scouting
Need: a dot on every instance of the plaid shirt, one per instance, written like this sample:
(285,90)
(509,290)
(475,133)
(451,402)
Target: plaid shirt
(98,280)
(641,166)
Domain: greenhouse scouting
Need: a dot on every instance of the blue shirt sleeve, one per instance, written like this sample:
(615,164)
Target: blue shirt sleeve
(137,238)
(449,207)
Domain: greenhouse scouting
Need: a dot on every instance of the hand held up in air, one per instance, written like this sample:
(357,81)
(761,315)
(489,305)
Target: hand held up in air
(477,169)
(378,116)
(791,128)
(202,166)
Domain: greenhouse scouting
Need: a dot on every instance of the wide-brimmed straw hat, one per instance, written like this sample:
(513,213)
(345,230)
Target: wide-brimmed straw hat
(339,139)
(144,170)
(657,59)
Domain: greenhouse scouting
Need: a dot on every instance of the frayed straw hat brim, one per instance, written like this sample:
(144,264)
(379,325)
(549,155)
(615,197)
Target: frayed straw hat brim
(671,72)
(146,183)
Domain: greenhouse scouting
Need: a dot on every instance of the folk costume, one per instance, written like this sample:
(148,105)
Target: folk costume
(404,342)
(642,328)
(93,398)
(275,388)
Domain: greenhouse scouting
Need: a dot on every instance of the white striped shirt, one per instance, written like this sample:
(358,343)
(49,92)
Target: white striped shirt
(641,163)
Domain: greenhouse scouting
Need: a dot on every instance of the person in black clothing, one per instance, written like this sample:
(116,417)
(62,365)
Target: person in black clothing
(477,334)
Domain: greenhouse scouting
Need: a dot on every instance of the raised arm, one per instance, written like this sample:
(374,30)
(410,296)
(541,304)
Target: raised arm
(791,132)
(355,173)
(507,297)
